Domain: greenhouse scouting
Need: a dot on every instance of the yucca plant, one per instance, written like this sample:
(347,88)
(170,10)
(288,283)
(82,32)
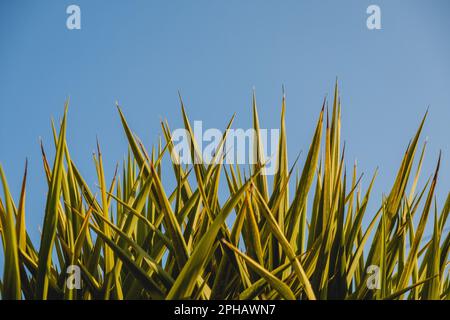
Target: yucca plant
(133,238)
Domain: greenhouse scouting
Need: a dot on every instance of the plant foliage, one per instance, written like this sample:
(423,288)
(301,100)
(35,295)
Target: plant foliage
(133,238)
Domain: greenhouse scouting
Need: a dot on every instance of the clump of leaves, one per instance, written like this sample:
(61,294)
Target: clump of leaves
(134,238)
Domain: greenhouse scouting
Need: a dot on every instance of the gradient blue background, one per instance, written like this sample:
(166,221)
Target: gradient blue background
(141,52)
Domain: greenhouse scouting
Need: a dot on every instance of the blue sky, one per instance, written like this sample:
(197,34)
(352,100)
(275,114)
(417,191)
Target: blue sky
(141,52)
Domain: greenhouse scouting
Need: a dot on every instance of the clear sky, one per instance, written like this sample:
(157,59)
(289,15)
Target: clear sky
(141,52)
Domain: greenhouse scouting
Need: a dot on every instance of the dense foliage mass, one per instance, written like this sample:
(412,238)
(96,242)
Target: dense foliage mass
(133,238)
